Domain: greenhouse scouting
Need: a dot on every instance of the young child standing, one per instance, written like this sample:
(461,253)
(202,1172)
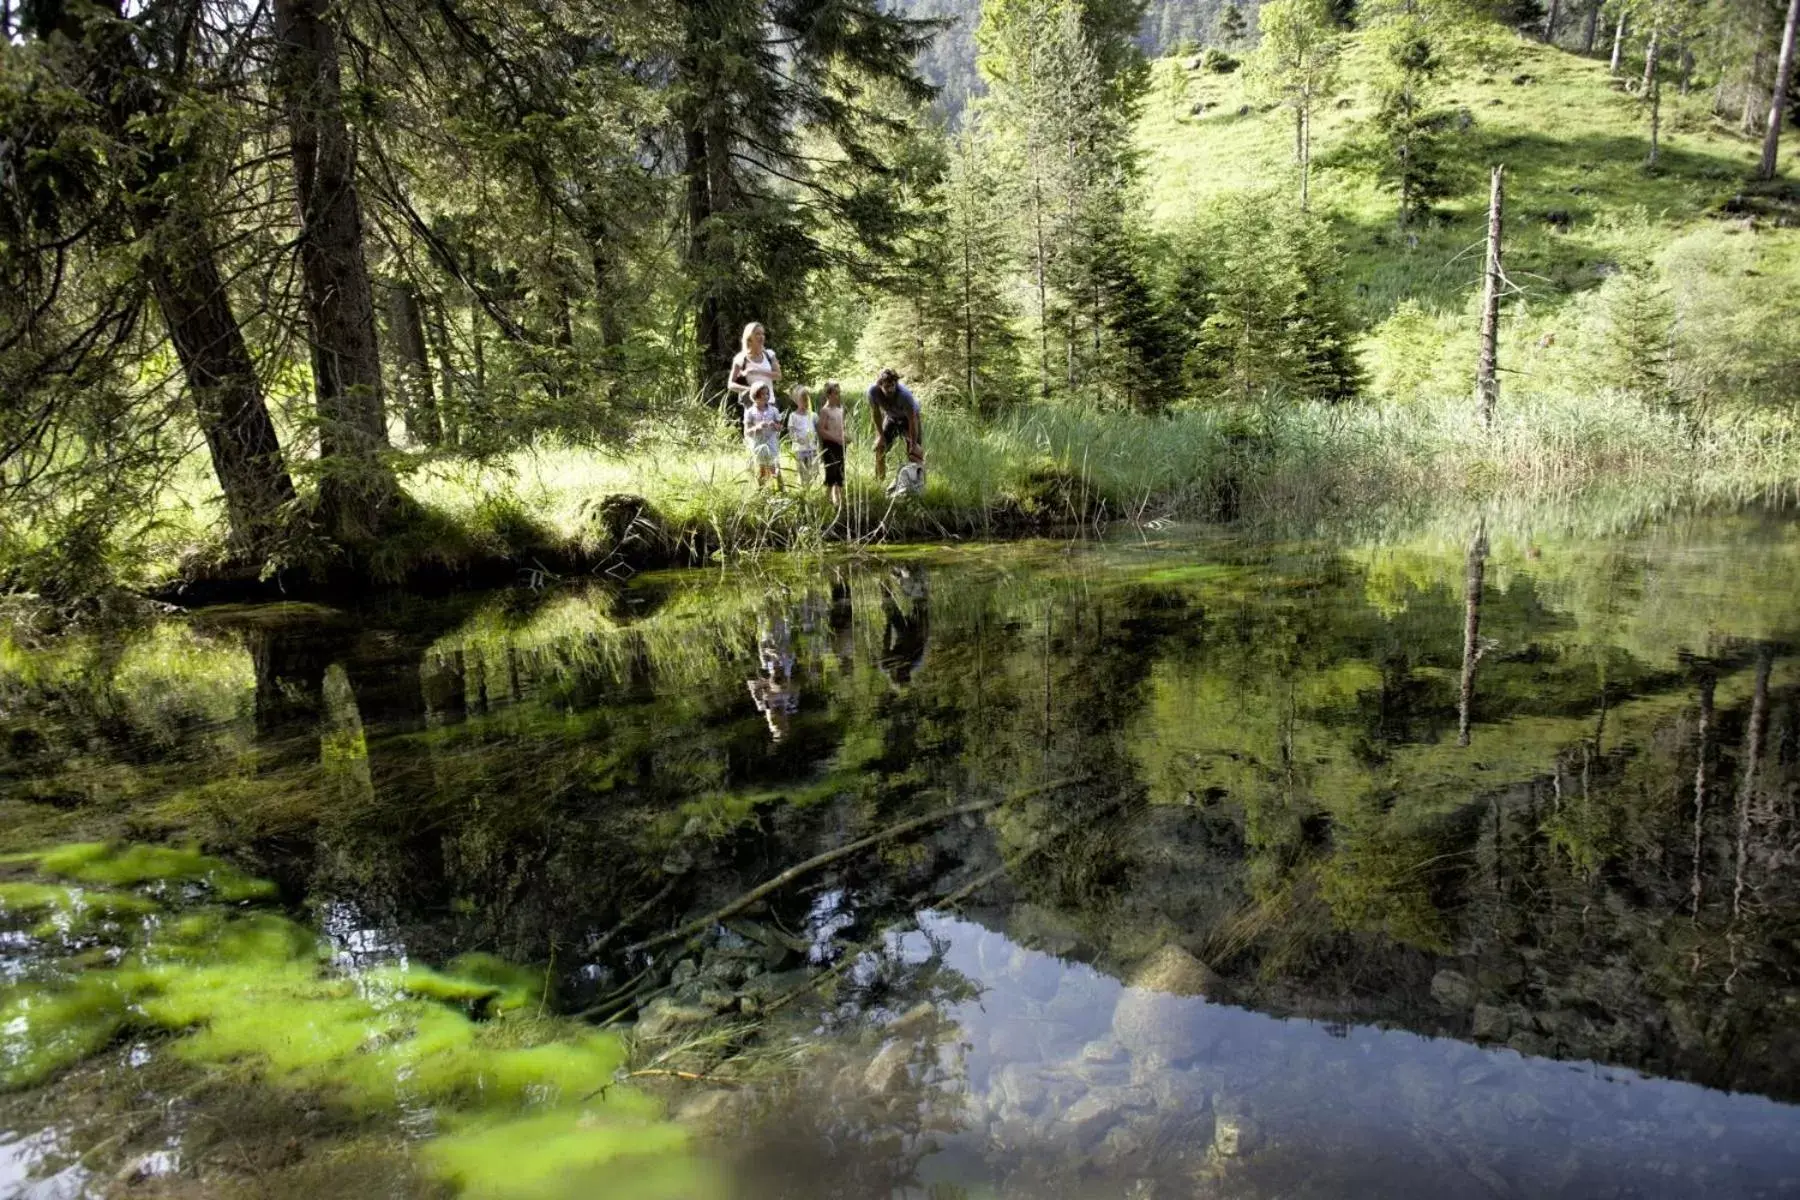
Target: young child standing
(803,435)
(831,441)
(762,434)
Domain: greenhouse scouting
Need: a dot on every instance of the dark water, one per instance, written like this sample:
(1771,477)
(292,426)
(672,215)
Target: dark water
(1458,865)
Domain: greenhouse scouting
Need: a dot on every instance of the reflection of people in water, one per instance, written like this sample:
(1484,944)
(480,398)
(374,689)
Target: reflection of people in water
(903,639)
(843,626)
(773,692)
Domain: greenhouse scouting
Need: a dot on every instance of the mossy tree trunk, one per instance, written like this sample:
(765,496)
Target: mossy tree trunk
(357,489)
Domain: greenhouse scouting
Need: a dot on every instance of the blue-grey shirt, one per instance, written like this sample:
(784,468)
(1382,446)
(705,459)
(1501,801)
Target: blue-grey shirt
(893,408)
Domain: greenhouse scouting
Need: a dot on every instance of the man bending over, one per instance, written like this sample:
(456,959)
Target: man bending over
(895,411)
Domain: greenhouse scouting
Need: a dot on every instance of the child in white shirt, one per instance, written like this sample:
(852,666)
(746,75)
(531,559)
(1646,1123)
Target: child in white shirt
(762,435)
(803,435)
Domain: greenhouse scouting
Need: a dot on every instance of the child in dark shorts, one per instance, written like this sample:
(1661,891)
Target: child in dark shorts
(831,441)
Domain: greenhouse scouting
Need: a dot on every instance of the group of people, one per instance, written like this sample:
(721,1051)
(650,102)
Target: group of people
(818,438)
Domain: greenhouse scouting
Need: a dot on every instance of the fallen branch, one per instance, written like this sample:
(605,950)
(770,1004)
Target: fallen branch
(687,1075)
(788,876)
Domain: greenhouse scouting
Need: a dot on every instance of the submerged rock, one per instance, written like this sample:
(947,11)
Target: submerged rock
(1173,970)
(1452,989)
(664,1017)
(887,1071)
(707,1108)
(1156,1014)
(1087,1119)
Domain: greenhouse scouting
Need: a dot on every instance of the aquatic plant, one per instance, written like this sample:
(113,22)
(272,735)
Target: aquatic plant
(524,1105)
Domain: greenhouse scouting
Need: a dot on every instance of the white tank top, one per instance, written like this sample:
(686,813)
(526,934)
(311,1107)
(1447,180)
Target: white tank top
(758,370)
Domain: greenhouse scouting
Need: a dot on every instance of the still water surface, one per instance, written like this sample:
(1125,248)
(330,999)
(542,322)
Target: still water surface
(1454,865)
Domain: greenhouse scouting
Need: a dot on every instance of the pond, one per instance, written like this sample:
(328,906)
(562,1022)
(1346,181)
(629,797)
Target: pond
(1181,864)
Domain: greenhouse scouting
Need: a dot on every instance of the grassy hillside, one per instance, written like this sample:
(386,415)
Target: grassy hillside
(1581,210)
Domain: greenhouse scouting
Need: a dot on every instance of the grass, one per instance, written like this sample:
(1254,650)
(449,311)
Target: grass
(1062,466)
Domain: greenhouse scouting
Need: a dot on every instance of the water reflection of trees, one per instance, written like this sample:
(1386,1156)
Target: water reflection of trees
(1271,753)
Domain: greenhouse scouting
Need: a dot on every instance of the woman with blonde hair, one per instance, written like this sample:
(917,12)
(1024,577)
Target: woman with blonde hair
(754,366)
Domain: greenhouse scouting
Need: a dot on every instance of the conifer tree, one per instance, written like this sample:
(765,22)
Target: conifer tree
(1232,26)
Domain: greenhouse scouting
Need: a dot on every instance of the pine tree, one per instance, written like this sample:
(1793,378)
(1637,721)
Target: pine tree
(1060,125)
(1415,40)
(766,91)
(1232,26)
(1276,324)
(1637,336)
(978,261)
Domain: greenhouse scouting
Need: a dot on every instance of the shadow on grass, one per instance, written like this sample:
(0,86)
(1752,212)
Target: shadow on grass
(1560,193)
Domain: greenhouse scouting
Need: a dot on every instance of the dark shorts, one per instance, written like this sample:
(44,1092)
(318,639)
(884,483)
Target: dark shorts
(891,432)
(832,454)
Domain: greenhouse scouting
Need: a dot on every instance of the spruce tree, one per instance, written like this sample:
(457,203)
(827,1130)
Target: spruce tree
(772,100)
(1232,26)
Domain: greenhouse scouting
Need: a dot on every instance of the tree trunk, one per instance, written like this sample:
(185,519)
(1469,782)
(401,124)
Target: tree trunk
(968,317)
(606,302)
(182,269)
(1551,20)
(712,333)
(1655,98)
(228,399)
(1592,29)
(357,489)
(1305,156)
(1652,57)
(1487,370)
(1041,266)
(441,347)
(1687,69)
(1751,73)
(412,366)
(1618,54)
(1784,74)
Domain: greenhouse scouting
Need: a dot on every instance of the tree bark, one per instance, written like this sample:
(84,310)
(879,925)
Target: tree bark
(1592,29)
(1618,54)
(412,366)
(228,398)
(439,326)
(182,269)
(1652,56)
(1551,20)
(1653,92)
(357,489)
(1487,369)
(1784,74)
(712,337)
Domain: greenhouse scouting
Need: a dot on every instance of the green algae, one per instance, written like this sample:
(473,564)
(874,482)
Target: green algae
(113,865)
(486,984)
(567,1154)
(524,1105)
(66,912)
(50,1027)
